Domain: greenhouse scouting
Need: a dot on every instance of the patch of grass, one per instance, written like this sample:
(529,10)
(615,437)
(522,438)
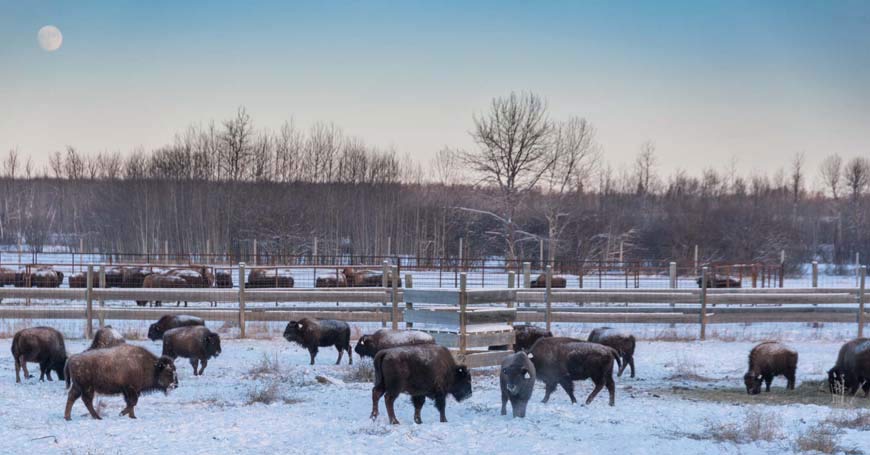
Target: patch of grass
(808,392)
(362,371)
(269,393)
(671,335)
(685,369)
(843,419)
(131,333)
(819,439)
(755,426)
(267,366)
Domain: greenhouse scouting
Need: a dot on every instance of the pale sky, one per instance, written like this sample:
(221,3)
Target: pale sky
(705,80)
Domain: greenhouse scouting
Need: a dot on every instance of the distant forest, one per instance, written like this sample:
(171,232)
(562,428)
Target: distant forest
(530,180)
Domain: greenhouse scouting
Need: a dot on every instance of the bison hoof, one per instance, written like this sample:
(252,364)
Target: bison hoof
(394,422)
(374,416)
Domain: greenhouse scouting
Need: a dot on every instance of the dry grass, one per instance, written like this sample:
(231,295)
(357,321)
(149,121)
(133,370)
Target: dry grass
(755,426)
(362,371)
(853,421)
(808,392)
(266,367)
(269,393)
(685,369)
(258,330)
(820,439)
(131,333)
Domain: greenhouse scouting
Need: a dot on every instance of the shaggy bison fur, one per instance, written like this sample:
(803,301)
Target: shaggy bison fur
(525,336)
(126,369)
(766,360)
(107,337)
(560,361)
(369,345)
(169,322)
(517,380)
(425,370)
(558,281)
(269,278)
(852,370)
(312,334)
(42,345)
(196,343)
(624,344)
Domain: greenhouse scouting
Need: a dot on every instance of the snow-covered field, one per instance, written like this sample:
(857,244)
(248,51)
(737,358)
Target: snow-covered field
(685,394)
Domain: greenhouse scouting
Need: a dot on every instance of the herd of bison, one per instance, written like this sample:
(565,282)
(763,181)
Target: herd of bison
(405,361)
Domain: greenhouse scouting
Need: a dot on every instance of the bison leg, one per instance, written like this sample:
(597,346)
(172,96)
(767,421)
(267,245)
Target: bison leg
(204,364)
(611,390)
(349,354)
(23,362)
(598,386)
(550,387)
(194,362)
(630,360)
(622,367)
(74,394)
(88,399)
(441,404)
(313,353)
(340,353)
(568,385)
(18,370)
(42,372)
(790,378)
(131,398)
(389,400)
(504,400)
(418,401)
(377,393)
(767,380)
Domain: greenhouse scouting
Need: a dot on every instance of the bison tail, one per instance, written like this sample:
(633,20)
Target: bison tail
(378,363)
(15,346)
(66,374)
(617,357)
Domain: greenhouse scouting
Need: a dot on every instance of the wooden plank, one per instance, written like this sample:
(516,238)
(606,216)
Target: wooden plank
(167,294)
(485,296)
(817,316)
(373,295)
(783,298)
(43,293)
(486,339)
(610,297)
(437,296)
(480,359)
(488,316)
(628,318)
(430,316)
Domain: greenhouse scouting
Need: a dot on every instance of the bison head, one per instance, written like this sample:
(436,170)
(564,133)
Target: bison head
(165,378)
(295,331)
(461,388)
(365,347)
(517,378)
(212,343)
(155,332)
(753,383)
(58,366)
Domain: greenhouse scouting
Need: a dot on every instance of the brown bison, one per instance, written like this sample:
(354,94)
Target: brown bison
(43,277)
(769,359)
(9,277)
(525,336)
(42,345)
(126,369)
(852,370)
(369,345)
(719,281)
(134,276)
(114,278)
(312,334)
(367,278)
(169,322)
(160,280)
(423,370)
(561,361)
(107,337)
(194,276)
(196,343)
(223,279)
(558,281)
(517,381)
(269,278)
(624,344)
(331,281)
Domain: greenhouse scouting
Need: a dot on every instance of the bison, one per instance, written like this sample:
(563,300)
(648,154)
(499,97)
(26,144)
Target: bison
(42,345)
(331,281)
(196,343)
(558,281)
(367,278)
(223,279)
(852,370)
(134,277)
(525,336)
(719,281)
(107,337)
(369,345)
(624,344)
(313,333)
(9,277)
(42,277)
(560,361)
(425,370)
(114,278)
(125,369)
(159,280)
(766,360)
(517,380)
(269,278)
(169,322)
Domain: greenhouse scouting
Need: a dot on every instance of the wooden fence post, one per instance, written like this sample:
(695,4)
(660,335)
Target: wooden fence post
(815,274)
(527,278)
(394,277)
(672,273)
(409,284)
(463,305)
(242,300)
(102,314)
(89,303)
(549,296)
(863,275)
(696,260)
(512,280)
(385,283)
(703,318)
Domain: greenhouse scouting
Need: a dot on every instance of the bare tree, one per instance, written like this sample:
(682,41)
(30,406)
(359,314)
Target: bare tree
(643,167)
(797,177)
(236,145)
(857,176)
(831,173)
(10,165)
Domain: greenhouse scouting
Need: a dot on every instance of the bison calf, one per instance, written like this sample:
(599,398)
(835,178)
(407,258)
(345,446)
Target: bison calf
(560,361)
(126,369)
(767,360)
(425,370)
(107,337)
(852,370)
(196,343)
(169,322)
(312,334)
(624,344)
(517,379)
(369,345)
(42,345)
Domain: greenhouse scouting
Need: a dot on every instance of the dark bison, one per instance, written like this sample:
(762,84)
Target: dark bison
(269,278)
(624,344)
(517,380)
(195,276)
(169,322)
(367,278)
(43,277)
(525,336)
(766,360)
(126,369)
(331,281)
(313,333)
(134,277)
(223,279)
(159,280)
(107,337)
(369,345)
(9,277)
(558,281)
(852,370)
(196,343)
(42,345)
(114,278)
(424,370)
(561,361)
(719,281)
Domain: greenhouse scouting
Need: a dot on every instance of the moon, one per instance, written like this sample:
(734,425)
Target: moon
(49,38)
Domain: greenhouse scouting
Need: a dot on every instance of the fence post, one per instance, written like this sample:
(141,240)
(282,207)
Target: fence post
(703,318)
(541,252)
(512,281)
(394,277)
(102,314)
(385,273)
(242,299)
(409,284)
(549,297)
(781,268)
(527,278)
(857,266)
(815,274)
(863,275)
(696,260)
(89,308)
(463,305)
(256,256)
(672,273)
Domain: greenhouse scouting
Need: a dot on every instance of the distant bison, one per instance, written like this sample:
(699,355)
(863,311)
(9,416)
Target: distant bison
(852,370)
(196,276)
(107,337)
(159,280)
(169,322)
(125,369)
(114,278)
(331,281)
(369,345)
(525,336)
(624,343)
(719,281)
(42,277)
(270,278)
(223,279)
(560,361)
(769,359)
(42,345)
(517,380)
(196,343)
(425,370)
(313,333)
(134,276)
(9,277)
(367,278)
(558,281)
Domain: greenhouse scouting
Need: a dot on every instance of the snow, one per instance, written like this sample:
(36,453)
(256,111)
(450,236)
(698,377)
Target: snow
(210,414)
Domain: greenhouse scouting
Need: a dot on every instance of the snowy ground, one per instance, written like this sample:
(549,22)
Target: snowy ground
(685,393)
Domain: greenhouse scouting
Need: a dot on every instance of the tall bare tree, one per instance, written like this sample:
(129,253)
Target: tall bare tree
(831,173)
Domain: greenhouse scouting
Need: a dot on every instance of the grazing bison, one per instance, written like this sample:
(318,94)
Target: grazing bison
(719,281)
(852,370)
(269,278)
(560,361)
(369,345)
(126,369)
(311,334)
(196,343)
(159,280)
(766,360)
(169,322)
(424,370)
(331,281)
(558,281)
(624,344)
(223,279)
(525,336)
(42,345)
(107,337)
(517,379)
(367,278)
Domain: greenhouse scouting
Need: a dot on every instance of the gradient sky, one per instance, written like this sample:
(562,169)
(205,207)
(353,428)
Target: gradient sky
(705,80)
